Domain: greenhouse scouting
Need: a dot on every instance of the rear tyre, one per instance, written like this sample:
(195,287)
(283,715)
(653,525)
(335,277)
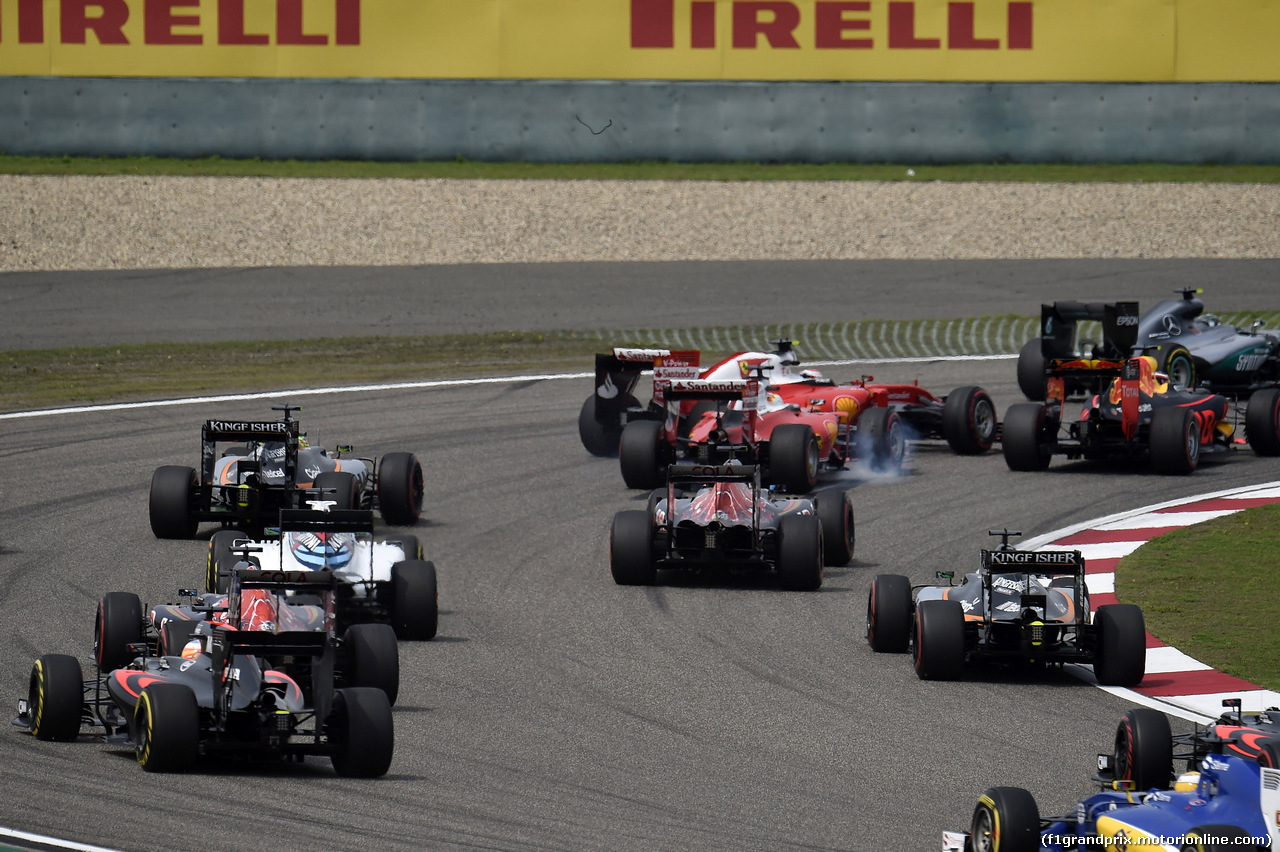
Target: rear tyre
(401,488)
(880,440)
(171,504)
(1175,441)
(1025,441)
(1269,753)
(372,658)
(969,421)
(631,549)
(167,727)
(1175,361)
(1006,819)
(800,552)
(1031,378)
(939,650)
(362,731)
(598,438)
(794,457)
(415,608)
(55,696)
(339,487)
(835,511)
(641,452)
(889,613)
(1144,749)
(1122,645)
(1262,422)
(117,626)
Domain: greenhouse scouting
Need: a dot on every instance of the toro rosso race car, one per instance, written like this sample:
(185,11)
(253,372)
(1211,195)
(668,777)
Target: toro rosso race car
(262,674)
(273,467)
(716,518)
(794,422)
(1021,606)
(1193,348)
(1229,800)
(1139,411)
(386,582)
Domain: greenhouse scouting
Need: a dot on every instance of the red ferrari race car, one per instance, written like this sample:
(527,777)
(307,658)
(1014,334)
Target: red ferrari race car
(743,399)
(1138,412)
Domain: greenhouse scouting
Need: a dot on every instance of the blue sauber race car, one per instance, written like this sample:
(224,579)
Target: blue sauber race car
(1230,800)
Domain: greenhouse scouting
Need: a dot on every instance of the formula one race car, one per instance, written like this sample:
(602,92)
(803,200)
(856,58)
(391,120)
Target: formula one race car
(261,676)
(717,518)
(855,420)
(273,467)
(1019,607)
(1193,348)
(1228,802)
(1138,412)
(794,423)
(385,582)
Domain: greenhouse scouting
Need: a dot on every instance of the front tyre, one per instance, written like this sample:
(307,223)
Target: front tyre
(401,488)
(794,457)
(415,608)
(55,696)
(1262,422)
(1122,645)
(1031,371)
(339,487)
(1006,819)
(1026,441)
(1144,749)
(171,504)
(362,732)
(969,421)
(880,440)
(372,658)
(1175,362)
(835,511)
(117,626)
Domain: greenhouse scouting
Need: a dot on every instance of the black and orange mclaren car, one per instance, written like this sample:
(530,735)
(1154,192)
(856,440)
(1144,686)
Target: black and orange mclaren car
(1020,606)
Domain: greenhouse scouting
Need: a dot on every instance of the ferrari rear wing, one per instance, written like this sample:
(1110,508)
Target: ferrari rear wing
(716,390)
(618,372)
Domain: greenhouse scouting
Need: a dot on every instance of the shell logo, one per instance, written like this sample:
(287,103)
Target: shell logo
(847,404)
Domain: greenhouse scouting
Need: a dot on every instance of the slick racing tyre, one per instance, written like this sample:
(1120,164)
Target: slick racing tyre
(217,577)
(415,608)
(1026,438)
(835,511)
(55,696)
(642,454)
(1218,838)
(800,552)
(1262,422)
(939,647)
(1031,377)
(1122,645)
(969,421)
(601,439)
(117,626)
(371,658)
(362,732)
(171,504)
(1175,441)
(880,440)
(794,458)
(1175,361)
(631,549)
(889,613)
(401,488)
(1144,749)
(410,545)
(341,488)
(166,724)
(1006,819)
(1269,753)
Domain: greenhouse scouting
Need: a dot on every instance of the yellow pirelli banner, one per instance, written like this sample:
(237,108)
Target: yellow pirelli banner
(940,40)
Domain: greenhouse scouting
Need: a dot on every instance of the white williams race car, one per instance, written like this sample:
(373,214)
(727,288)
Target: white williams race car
(384,582)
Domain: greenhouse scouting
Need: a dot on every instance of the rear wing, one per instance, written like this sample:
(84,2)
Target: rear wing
(215,432)
(1047,562)
(1058,331)
(618,372)
(694,472)
(333,521)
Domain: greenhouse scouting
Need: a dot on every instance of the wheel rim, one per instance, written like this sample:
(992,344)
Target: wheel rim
(984,421)
(34,694)
(1193,440)
(897,442)
(144,737)
(811,462)
(983,831)
(1180,371)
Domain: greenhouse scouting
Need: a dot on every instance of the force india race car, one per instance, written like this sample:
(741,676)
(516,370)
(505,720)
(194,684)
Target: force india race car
(1192,347)
(272,467)
(1138,412)
(1019,607)
(802,423)
(1228,802)
(386,582)
(717,518)
(260,676)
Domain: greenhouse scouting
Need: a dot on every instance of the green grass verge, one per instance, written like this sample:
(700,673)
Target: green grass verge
(1210,591)
(1056,173)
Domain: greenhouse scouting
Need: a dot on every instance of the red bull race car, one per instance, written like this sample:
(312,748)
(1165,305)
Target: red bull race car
(271,466)
(698,414)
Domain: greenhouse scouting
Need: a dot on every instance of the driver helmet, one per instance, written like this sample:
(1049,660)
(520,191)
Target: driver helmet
(303,443)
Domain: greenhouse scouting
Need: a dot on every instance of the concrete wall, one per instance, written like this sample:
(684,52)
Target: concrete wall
(561,121)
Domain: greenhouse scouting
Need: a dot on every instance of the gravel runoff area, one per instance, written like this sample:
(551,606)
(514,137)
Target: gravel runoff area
(64,223)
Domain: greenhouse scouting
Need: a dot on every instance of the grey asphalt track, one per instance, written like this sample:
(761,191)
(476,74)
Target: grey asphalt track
(51,309)
(557,711)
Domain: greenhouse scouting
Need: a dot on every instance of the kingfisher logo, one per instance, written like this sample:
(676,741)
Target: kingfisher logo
(834,25)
